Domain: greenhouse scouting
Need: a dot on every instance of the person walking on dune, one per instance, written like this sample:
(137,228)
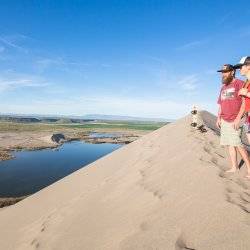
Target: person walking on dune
(231,110)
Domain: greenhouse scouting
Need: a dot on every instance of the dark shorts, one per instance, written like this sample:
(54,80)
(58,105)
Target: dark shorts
(247,123)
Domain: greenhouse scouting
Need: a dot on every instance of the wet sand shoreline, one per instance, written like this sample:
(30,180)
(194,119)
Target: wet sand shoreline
(42,140)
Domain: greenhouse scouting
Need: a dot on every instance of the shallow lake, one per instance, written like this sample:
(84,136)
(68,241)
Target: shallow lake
(104,135)
(31,171)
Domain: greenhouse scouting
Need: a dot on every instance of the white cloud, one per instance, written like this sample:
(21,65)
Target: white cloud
(12,83)
(44,64)
(191,45)
(11,41)
(189,83)
(156,59)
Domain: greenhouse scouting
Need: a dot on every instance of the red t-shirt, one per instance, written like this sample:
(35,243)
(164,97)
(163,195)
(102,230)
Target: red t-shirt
(247,99)
(229,100)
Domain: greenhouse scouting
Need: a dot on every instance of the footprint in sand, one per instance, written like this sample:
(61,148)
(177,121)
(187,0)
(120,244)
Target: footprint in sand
(181,244)
(198,139)
(239,194)
(142,172)
(219,155)
(245,207)
(156,193)
(207,149)
(245,197)
(35,243)
(247,192)
(204,160)
(144,226)
(142,183)
(211,143)
(226,175)
(214,160)
(243,183)
(233,198)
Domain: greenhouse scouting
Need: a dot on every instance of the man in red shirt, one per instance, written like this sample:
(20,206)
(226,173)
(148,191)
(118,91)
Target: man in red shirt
(231,109)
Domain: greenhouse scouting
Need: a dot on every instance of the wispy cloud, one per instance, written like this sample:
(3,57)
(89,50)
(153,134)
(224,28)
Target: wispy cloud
(189,83)
(225,18)
(12,83)
(43,64)
(2,49)
(191,45)
(156,59)
(12,42)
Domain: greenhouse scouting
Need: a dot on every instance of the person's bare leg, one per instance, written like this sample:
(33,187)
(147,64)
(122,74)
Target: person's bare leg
(233,157)
(248,137)
(245,157)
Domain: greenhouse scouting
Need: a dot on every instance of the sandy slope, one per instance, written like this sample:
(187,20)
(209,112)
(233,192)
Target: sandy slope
(166,190)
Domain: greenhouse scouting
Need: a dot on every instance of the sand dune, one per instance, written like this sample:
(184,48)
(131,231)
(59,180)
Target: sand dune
(167,190)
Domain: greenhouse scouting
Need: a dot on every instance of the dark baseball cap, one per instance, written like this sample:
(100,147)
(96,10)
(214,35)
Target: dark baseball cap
(226,68)
(243,61)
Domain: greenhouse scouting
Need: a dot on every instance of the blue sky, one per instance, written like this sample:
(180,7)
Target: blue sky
(138,58)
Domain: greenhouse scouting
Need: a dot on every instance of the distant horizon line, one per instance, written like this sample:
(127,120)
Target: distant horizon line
(89,116)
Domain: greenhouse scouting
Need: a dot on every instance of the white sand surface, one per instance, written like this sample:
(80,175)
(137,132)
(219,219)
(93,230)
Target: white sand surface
(167,190)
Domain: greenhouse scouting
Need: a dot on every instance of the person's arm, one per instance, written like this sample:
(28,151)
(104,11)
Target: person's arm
(244,92)
(236,122)
(218,122)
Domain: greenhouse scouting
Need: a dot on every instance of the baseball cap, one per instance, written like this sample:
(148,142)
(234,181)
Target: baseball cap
(226,68)
(243,61)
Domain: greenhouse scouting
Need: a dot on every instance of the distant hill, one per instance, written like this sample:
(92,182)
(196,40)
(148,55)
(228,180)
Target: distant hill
(75,119)
(20,119)
(124,118)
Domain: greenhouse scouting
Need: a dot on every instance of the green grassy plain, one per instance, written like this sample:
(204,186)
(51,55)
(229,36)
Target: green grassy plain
(110,125)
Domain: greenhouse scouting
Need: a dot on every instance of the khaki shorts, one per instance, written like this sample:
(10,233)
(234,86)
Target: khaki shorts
(229,136)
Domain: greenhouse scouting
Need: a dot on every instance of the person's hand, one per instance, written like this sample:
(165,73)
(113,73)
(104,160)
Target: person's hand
(236,124)
(243,92)
(218,123)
